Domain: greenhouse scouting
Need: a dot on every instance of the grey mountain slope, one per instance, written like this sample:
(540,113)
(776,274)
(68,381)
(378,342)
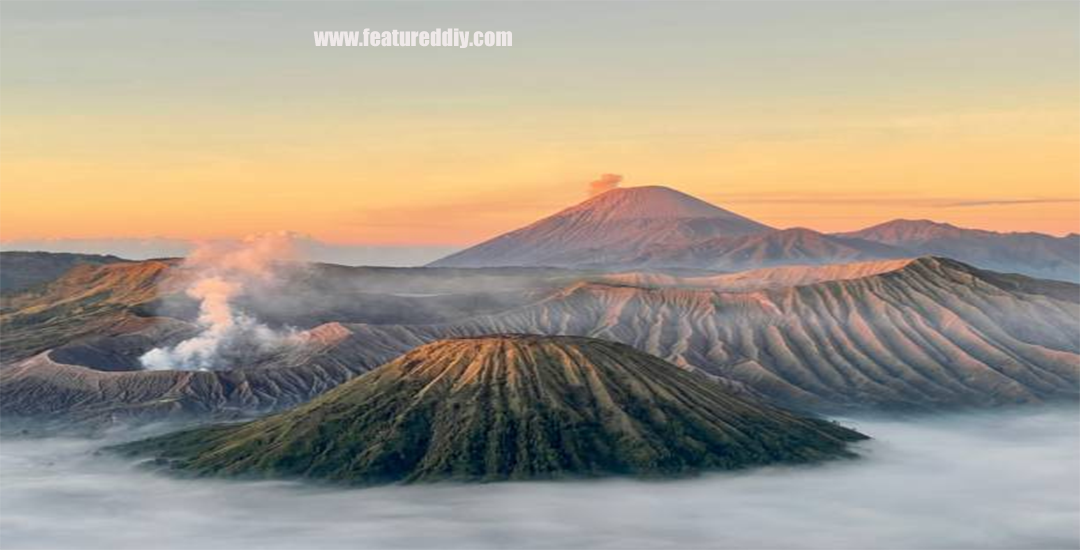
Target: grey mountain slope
(1034,254)
(925,333)
(933,333)
(796,246)
(44,392)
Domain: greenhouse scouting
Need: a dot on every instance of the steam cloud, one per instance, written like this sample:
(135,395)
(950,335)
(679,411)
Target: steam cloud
(222,272)
(605,183)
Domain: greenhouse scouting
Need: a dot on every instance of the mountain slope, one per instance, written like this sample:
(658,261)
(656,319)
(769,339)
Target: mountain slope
(43,391)
(91,302)
(22,270)
(1033,254)
(797,246)
(922,333)
(610,228)
(930,333)
(87,301)
(757,279)
(509,407)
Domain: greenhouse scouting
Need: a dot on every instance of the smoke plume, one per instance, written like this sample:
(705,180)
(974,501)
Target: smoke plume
(605,183)
(221,272)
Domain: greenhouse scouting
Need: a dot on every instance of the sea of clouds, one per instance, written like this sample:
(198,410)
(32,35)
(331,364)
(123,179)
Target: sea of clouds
(1006,479)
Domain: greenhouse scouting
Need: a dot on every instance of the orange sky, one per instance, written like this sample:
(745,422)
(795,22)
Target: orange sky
(970,117)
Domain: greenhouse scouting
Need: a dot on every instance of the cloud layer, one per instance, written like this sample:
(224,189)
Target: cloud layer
(993,480)
(311,249)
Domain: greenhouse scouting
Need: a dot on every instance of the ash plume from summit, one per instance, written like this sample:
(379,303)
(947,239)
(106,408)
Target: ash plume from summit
(605,183)
(221,272)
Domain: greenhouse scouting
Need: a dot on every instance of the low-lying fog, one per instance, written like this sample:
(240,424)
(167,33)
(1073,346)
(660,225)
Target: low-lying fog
(988,480)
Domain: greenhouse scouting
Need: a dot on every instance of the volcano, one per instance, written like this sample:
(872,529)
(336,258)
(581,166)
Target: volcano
(657,228)
(611,228)
(509,407)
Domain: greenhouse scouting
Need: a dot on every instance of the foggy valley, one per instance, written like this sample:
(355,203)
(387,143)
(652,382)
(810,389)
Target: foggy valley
(1000,480)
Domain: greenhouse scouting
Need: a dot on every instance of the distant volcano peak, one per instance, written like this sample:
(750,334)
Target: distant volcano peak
(613,227)
(651,202)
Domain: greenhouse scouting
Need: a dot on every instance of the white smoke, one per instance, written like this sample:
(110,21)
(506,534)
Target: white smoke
(221,272)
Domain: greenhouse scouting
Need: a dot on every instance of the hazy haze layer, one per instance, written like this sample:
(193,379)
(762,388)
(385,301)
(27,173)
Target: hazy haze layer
(998,480)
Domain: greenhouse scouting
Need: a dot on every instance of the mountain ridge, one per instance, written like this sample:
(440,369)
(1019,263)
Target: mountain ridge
(793,246)
(1031,253)
(933,333)
(21,270)
(661,228)
(910,334)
